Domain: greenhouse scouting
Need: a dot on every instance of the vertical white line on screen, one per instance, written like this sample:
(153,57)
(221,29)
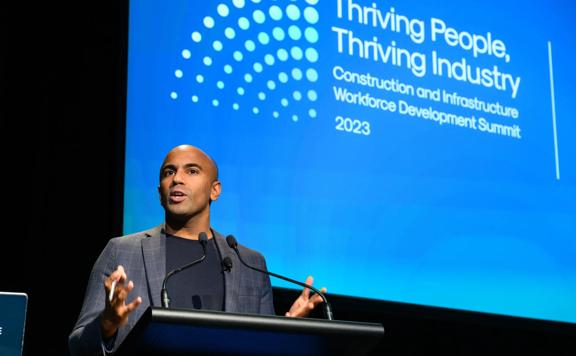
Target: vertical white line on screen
(557,159)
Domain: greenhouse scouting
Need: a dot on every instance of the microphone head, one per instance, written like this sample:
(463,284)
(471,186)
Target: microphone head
(227,263)
(203,238)
(231,240)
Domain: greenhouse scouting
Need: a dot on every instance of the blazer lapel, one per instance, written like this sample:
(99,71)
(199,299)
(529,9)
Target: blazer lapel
(154,254)
(231,278)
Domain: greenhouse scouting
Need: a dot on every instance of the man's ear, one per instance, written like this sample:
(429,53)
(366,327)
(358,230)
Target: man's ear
(215,190)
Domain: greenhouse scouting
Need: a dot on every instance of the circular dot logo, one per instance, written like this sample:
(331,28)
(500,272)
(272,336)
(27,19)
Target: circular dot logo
(255,57)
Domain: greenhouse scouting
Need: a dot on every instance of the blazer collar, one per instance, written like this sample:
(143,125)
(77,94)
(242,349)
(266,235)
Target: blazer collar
(231,278)
(154,252)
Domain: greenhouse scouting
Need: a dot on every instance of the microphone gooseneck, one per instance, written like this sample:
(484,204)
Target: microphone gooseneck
(164,293)
(231,240)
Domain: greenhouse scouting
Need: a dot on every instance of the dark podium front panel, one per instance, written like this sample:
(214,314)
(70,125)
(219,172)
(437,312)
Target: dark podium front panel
(184,332)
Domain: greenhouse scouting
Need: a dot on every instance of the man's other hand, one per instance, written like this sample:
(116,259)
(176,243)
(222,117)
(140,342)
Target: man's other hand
(304,304)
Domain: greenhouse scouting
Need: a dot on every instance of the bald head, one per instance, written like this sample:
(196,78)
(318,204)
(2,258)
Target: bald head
(196,156)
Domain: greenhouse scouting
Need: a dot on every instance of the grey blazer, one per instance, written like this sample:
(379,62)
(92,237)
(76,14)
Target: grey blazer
(143,256)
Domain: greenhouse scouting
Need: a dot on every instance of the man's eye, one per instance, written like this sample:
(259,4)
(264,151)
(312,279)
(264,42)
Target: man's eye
(193,171)
(168,172)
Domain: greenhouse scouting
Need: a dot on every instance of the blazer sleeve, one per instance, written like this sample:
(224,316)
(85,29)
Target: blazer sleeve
(86,337)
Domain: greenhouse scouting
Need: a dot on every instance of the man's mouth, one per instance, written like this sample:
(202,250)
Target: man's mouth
(177,197)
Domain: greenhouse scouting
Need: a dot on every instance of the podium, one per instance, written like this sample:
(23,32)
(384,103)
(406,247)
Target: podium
(184,332)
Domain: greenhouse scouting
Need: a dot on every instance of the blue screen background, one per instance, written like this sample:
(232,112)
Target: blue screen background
(413,211)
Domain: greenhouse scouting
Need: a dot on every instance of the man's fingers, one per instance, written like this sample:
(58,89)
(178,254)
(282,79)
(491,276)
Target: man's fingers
(129,287)
(306,291)
(118,274)
(130,307)
(316,298)
(123,292)
(306,303)
(123,277)
(116,279)
(115,282)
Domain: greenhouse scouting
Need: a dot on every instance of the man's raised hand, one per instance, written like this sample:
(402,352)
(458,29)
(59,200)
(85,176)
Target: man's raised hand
(304,304)
(116,310)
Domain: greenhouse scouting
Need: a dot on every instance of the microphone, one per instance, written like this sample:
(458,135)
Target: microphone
(227,264)
(231,240)
(164,293)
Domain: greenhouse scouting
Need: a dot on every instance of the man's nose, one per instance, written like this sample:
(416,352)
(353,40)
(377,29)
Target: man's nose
(177,178)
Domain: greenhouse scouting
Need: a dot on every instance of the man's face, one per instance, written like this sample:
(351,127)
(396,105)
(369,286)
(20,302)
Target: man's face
(187,183)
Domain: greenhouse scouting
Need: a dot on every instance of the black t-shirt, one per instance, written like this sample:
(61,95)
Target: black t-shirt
(200,286)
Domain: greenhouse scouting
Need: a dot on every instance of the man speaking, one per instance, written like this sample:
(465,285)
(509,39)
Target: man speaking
(130,273)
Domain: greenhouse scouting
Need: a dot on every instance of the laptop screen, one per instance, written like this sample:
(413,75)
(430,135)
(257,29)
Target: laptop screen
(12,322)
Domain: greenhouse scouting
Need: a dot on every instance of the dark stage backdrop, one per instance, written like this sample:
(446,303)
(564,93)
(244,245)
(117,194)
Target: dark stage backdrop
(61,139)
(62,77)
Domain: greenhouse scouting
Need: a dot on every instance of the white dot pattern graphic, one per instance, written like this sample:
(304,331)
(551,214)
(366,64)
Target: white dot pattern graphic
(275,40)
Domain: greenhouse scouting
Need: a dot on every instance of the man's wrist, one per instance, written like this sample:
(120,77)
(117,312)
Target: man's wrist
(107,328)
